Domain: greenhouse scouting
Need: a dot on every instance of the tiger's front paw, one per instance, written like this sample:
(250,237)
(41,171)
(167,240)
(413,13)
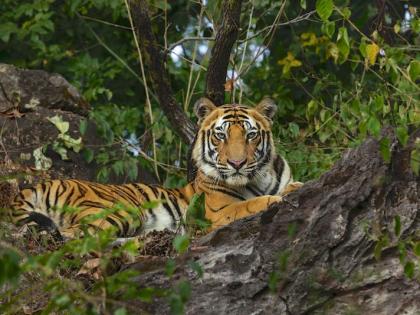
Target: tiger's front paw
(274,199)
(291,187)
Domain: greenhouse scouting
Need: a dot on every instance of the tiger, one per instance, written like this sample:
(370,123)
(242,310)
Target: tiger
(233,162)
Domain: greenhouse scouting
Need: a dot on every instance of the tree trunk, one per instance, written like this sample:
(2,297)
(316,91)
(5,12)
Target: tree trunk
(331,247)
(160,81)
(226,36)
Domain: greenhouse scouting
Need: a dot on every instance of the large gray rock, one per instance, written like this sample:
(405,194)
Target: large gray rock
(328,265)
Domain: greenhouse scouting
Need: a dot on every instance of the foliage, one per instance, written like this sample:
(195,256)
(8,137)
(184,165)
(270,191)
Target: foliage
(339,70)
(80,275)
(342,77)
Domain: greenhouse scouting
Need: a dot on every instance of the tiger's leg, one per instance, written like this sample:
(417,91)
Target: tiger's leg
(238,210)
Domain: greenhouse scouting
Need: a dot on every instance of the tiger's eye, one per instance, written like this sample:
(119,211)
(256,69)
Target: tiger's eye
(251,135)
(220,135)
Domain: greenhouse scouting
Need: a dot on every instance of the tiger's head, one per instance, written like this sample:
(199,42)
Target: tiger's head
(234,142)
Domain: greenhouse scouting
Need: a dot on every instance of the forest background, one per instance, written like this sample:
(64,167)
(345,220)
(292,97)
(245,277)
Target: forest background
(339,71)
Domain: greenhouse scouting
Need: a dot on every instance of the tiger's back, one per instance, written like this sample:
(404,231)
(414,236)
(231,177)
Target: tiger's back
(65,204)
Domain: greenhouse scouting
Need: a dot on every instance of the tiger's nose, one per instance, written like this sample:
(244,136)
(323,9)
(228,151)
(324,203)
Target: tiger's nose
(237,164)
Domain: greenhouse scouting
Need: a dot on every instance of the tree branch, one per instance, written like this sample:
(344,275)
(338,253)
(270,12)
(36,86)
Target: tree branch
(154,62)
(227,34)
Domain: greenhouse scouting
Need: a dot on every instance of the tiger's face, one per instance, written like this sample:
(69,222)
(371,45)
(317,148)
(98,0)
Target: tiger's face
(234,142)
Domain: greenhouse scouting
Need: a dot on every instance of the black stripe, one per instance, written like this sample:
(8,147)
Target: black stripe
(255,191)
(142,192)
(230,193)
(279,168)
(176,205)
(169,210)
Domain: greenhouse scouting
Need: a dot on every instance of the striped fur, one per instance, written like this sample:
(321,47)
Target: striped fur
(233,162)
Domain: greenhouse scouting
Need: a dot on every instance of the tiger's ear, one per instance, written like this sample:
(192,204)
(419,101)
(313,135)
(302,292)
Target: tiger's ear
(203,107)
(267,108)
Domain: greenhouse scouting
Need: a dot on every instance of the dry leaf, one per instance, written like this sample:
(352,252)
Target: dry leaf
(229,85)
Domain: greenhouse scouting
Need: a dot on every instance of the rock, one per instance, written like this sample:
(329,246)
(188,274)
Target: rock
(27,99)
(317,252)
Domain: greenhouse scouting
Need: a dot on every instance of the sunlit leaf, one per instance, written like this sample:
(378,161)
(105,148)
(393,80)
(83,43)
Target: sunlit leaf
(372,51)
(414,70)
(385,148)
(42,162)
(409,269)
(402,134)
(181,243)
(343,43)
(62,126)
(324,8)
(328,28)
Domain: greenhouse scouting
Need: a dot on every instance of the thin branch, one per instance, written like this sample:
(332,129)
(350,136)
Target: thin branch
(297,19)
(188,39)
(104,22)
(194,54)
(269,35)
(226,36)
(115,55)
(146,90)
(160,81)
(244,51)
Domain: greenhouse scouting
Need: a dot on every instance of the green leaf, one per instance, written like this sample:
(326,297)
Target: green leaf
(372,51)
(196,212)
(291,229)
(397,225)
(415,159)
(402,134)
(62,126)
(385,149)
(88,154)
(41,161)
(121,311)
(343,43)
(294,129)
(196,267)
(60,149)
(273,279)
(324,8)
(71,143)
(147,294)
(409,269)
(311,108)
(83,126)
(303,4)
(9,266)
(416,249)
(181,243)
(151,204)
(328,28)
(170,267)
(7,29)
(414,70)
(374,125)
(346,13)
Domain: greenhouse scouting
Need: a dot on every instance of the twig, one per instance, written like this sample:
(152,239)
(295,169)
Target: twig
(149,105)
(160,81)
(187,39)
(189,92)
(104,22)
